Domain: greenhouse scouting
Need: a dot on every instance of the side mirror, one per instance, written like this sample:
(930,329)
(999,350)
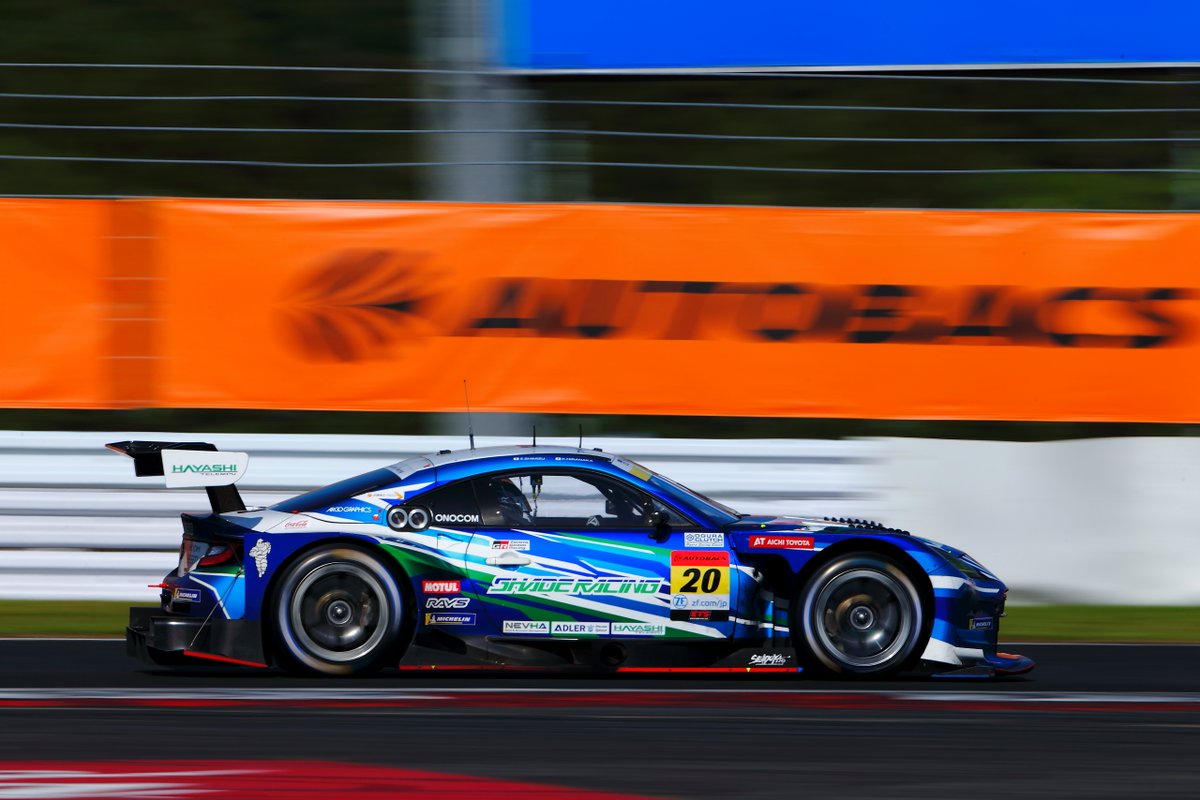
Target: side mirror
(660,525)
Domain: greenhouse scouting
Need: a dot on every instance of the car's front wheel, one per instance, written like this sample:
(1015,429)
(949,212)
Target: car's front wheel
(337,611)
(861,614)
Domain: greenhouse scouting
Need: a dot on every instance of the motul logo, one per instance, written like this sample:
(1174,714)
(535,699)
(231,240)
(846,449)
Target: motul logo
(441,587)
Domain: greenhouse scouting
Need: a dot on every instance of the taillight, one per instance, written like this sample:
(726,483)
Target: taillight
(217,554)
(194,554)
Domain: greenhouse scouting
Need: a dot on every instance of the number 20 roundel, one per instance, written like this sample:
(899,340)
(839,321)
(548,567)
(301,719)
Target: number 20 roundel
(699,572)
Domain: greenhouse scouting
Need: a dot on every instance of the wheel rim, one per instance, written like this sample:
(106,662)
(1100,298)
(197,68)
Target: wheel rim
(339,612)
(863,618)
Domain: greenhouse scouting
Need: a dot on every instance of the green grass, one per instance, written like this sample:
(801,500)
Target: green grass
(1101,624)
(63,618)
(1023,623)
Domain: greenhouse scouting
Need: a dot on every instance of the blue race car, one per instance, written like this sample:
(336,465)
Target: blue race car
(554,558)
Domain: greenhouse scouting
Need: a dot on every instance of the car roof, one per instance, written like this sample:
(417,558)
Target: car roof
(445,457)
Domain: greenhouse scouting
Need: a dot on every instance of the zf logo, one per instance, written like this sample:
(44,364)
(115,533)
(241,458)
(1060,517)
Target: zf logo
(448,602)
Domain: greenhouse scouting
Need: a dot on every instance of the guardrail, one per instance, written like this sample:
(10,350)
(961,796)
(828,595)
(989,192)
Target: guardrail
(1089,521)
(68,507)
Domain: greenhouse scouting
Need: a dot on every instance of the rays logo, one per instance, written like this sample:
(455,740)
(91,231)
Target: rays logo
(448,602)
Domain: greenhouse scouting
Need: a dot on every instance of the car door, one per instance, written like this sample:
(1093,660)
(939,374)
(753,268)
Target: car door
(574,553)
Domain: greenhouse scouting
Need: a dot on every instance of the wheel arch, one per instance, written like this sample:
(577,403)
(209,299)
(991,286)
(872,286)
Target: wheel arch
(857,545)
(395,569)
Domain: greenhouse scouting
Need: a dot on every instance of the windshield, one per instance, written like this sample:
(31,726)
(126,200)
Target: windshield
(663,482)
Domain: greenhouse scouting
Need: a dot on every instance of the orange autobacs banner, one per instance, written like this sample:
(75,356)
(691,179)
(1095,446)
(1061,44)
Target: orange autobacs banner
(673,310)
(56,303)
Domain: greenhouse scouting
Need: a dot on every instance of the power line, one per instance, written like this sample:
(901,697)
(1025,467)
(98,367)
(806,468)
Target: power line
(782,72)
(624,164)
(607,133)
(610,103)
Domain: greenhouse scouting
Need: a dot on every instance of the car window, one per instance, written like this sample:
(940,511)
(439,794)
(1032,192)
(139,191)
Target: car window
(452,505)
(566,500)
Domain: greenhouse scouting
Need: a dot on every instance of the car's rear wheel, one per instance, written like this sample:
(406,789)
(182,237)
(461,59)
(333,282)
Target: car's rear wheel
(861,614)
(337,611)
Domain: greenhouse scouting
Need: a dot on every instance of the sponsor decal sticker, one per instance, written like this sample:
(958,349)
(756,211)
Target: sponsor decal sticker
(638,629)
(448,602)
(526,626)
(510,544)
(786,542)
(769,659)
(982,623)
(700,601)
(636,470)
(567,628)
(186,595)
(259,553)
(351,509)
(446,618)
(206,470)
(441,587)
(459,518)
(556,585)
(703,539)
(700,580)
(295,524)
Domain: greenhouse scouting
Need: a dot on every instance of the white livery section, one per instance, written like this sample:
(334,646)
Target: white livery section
(184,468)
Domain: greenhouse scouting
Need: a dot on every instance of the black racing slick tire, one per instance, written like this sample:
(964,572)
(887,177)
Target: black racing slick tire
(861,615)
(337,611)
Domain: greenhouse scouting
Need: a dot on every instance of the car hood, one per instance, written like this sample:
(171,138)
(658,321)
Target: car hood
(773,522)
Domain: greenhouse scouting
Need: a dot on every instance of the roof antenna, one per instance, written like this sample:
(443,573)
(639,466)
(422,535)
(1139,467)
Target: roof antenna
(581,436)
(470,428)
(535,435)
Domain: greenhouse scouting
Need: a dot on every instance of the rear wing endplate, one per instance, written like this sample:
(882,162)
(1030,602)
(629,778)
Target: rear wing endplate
(190,464)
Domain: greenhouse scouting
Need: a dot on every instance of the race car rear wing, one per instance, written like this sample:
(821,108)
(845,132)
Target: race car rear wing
(190,464)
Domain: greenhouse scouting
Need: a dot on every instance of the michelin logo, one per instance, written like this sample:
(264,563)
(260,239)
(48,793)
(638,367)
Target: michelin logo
(259,553)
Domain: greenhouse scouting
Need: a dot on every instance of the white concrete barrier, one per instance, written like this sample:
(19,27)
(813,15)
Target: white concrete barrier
(1089,521)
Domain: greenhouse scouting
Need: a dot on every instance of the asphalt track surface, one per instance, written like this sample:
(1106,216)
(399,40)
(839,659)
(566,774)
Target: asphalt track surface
(1092,721)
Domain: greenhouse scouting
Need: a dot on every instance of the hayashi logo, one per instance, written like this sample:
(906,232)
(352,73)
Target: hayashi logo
(502,585)
(204,469)
(362,304)
(441,587)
